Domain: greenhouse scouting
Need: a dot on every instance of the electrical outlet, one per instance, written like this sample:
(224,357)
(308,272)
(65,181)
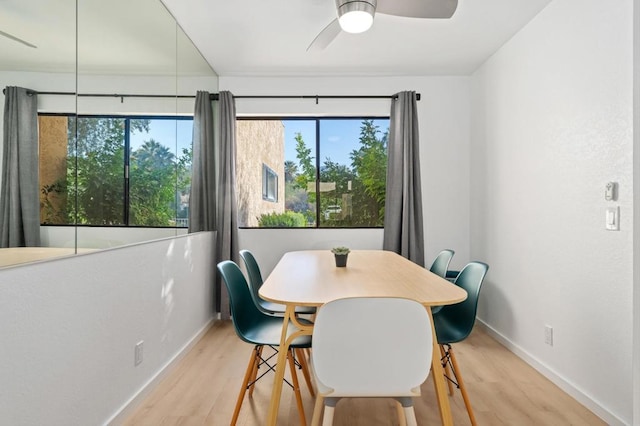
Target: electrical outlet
(548,335)
(138,352)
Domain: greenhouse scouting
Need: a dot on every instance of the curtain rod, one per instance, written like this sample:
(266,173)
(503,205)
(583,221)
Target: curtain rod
(215,96)
(315,96)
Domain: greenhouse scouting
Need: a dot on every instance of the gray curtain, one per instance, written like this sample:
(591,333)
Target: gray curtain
(227,211)
(212,202)
(19,193)
(403,231)
(202,199)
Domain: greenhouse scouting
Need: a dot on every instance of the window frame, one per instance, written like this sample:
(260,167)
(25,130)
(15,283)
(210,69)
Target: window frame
(317,160)
(126,163)
(269,176)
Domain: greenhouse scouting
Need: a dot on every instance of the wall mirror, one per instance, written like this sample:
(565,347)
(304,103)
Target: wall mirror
(115,83)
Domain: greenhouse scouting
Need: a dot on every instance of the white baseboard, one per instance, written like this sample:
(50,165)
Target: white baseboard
(586,400)
(132,404)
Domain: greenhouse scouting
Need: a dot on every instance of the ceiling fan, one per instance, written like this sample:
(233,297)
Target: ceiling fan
(19,40)
(356,16)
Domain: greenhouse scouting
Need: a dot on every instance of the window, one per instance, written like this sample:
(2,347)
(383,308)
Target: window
(123,171)
(269,184)
(334,172)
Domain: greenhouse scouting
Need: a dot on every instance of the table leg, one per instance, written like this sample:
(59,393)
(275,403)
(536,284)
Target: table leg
(438,380)
(281,364)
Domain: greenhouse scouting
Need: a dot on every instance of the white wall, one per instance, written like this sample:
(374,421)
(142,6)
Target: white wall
(68,327)
(268,245)
(109,84)
(636,211)
(102,237)
(551,124)
(142,85)
(444,153)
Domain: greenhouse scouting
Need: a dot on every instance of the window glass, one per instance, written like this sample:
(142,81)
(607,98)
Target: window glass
(100,171)
(269,184)
(130,171)
(349,155)
(353,170)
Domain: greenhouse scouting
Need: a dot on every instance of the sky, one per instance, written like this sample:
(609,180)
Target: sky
(165,132)
(338,137)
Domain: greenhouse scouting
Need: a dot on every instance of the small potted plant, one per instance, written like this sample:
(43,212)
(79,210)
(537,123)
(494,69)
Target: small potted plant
(341,254)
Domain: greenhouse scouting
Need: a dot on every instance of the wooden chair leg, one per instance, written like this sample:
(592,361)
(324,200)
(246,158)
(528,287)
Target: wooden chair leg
(402,418)
(463,388)
(410,416)
(302,359)
(245,382)
(254,373)
(328,415)
(317,411)
(447,370)
(296,386)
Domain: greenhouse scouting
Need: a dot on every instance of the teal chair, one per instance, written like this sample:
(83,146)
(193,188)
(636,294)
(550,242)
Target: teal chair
(452,275)
(255,282)
(453,323)
(259,329)
(440,266)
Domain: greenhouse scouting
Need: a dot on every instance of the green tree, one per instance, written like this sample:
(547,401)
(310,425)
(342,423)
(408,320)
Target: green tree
(307,167)
(97,172)
(96,181)
(369,163)
(340,174)
(290,171)
(184,181)
(297,179)
(152,185)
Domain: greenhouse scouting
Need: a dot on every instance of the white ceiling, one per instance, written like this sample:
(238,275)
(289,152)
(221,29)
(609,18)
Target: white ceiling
(113,37)
(270,37)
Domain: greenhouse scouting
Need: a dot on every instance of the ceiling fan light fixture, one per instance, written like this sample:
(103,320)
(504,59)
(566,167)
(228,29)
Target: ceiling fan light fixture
(356,16)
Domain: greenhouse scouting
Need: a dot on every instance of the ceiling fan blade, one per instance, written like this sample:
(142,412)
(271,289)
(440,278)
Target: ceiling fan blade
(17,39)
(325,37)
(442,9)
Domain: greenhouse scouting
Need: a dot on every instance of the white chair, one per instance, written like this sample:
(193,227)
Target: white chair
(370,347)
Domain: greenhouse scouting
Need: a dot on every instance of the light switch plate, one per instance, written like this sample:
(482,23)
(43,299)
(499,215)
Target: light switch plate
(612,218)
(611,191)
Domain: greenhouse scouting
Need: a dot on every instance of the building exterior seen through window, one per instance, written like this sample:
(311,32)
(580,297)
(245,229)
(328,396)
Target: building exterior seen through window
(115,170)
(333,169)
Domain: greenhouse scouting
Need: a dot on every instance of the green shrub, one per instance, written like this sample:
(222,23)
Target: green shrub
(287,219)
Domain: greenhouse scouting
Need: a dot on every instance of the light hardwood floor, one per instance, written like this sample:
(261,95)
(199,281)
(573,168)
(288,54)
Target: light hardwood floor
(504,390)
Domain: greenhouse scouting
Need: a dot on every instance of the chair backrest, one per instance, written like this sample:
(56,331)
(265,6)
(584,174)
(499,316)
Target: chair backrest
(253,269)
(244,312)
(254,275)
(440,264)
(368,346)
(462,316)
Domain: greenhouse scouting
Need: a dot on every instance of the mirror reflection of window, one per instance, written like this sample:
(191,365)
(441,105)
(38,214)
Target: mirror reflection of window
(160,172)
(73,55)
(130,171)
